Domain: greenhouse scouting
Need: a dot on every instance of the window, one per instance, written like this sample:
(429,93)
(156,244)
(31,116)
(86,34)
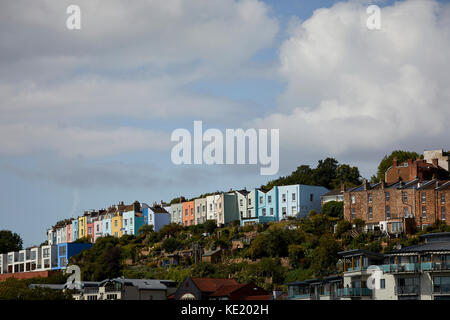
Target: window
(269,199)
(241,203)
(387,196)
(283,211)
(260,200)
(210,206)
(424,197)
(125,222)
(198,209)
(441,284)
(442,197)
(294,210)
(271,211)
(115,223)
(62,251)
(264,212)
(185,212)
(98,228)
(293,197)
(249,202)
(370,213)
(353,213)
(424,212)
(284,197)
(370,197)
(353,199)
(115,234)
(382,283)
(405,196)
(388,212)
(192,211)
(62,262)
(442,213)
(46,253)
(396,227)
(311,197)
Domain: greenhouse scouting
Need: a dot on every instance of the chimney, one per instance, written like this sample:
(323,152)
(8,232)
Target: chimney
(343,189)
(366,184)
(435,161)
(395,162)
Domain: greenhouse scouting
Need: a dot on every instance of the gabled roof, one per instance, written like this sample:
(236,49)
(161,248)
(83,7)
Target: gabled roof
(427,247)
(212,284)
(227,290)
(212,252)
(158,210)
(335,192)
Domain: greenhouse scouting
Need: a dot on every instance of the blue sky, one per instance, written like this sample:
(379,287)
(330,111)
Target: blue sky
(87,115)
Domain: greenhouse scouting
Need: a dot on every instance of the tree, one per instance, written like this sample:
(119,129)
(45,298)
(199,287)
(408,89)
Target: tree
(347,175)
(170,245)
(334,209)
(324,256)
(14,289)
(83,240)
(146,229)
(10,241)
(210,226)
(386,162)
(343,226)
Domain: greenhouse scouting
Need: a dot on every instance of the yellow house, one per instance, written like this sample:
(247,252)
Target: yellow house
(117,225)
(82,227)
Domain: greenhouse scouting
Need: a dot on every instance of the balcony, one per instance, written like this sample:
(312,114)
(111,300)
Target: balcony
(354,292)
(441,289)
(440,266)
(401,268)
(408,290)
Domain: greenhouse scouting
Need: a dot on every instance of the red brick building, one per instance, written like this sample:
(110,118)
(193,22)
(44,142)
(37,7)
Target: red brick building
(400,206)
(415,169)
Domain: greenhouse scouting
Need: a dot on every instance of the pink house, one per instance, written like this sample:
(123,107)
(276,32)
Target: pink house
(69,232)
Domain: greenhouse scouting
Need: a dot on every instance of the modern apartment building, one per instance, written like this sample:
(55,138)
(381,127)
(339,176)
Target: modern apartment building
(418,272)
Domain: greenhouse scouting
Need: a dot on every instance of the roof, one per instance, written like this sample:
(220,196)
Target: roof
(244,192)
(427,247)
(359,252)
(333,193)
(48,286)
(212,284)
(142,284)
(227,290)
(158,210)
(210,253)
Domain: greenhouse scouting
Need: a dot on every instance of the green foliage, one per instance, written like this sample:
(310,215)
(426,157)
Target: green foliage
(343,226)
(204,270)
(210,226)
(102,261)
(296,255)
(324,256)
(437,226)
(298,275)
(328,174)
(170,245)
(386,162)
(146,229)
(83,240)
(10,241)
(14,289)
(334,209)
(177,200)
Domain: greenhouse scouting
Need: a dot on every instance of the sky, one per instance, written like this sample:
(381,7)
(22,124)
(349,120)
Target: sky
(87,115)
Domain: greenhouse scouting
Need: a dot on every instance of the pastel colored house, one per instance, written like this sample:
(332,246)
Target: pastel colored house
(188,213)
(251,216)
(98,227)
(49,257)
(51,236)
(267,205)
(227,209)
(155,216)
(212,207)
(61,235)
(242,202)
(200,210)
(298,200)
(133,219)
(75,230)
(82,226)
(67,250)
(69,232)
(117,225)
(176,213)
(107,223)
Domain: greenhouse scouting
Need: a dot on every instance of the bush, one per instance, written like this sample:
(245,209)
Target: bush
(334,209)
(170,245)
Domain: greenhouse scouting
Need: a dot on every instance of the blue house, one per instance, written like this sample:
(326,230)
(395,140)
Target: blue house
(298,200)
(75,235)
(68,250)
(267,205)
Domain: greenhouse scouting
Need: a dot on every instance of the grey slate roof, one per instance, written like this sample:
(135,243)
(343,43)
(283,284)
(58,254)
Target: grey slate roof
(427,247)
(142,284)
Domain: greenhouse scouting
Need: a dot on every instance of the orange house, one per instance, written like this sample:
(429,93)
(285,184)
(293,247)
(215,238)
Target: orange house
(188,213)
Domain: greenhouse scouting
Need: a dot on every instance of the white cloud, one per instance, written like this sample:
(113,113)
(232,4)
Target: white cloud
(132,61)
(351,90)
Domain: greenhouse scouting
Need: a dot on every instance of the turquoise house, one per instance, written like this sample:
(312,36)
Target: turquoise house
(75,230)
(267,205)
(133,219)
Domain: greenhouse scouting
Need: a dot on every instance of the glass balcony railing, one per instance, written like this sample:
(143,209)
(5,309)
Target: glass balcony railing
(405,267)
(436,266)
(354,292)
(408,289)
(441,289)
